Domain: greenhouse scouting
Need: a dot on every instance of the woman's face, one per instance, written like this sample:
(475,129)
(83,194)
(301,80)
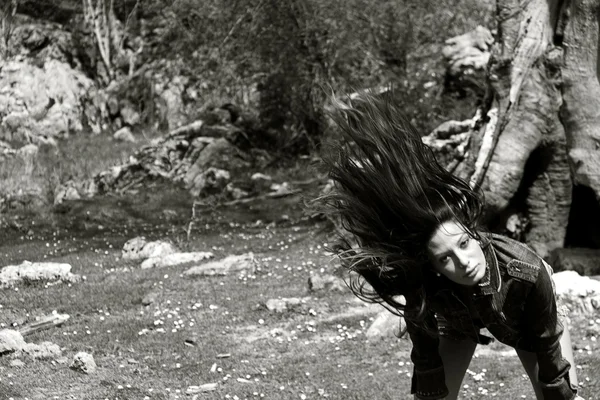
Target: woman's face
(456,255)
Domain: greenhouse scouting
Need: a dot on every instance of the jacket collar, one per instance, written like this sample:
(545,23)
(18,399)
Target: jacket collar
(492,281)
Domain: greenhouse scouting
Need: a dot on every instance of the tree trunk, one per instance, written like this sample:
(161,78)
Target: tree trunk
(542,81)
(8,9)
(100,16)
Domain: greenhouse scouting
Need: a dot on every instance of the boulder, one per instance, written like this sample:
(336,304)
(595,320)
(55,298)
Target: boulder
(218,153)
(139,249)
(38,271)
(175,259)
(83,362)
(41,101)
(11,341)
(579,294)
(41,40)
(228,265)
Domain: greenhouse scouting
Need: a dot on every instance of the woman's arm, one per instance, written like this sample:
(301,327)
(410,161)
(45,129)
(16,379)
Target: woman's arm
(428,379)
(544,332)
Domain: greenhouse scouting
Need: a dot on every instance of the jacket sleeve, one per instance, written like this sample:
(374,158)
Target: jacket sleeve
(544,333)
(428,379)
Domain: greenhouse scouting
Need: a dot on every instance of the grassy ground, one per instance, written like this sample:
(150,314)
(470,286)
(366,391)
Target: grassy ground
(214,330)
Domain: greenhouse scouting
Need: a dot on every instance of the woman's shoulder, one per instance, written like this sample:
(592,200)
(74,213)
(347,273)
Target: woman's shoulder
(516,258)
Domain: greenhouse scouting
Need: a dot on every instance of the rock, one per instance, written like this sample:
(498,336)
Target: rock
(40,40)
(41,101)
(173,104)
(318,283)
(467,56)
(581,260)
(83,362)
(175,259)
(129,115)
(124,135)
(149,298)
(211,181)
(46,322)
(66,192)
(17,363)
(217,153)
(138,249)
(39,271)
(44,350)
(283,304)
(385,325)
(228,265)
(11,341)
(261,182)
(580,294)
(235,193)
(207,387)
(112,105)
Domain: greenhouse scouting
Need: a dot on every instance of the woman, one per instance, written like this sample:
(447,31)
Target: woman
(415,231)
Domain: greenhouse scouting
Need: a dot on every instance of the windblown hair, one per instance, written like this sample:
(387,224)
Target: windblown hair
(390,194)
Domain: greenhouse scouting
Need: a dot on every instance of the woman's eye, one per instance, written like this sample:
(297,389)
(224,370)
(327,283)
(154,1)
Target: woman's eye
(464,243)
(444,260)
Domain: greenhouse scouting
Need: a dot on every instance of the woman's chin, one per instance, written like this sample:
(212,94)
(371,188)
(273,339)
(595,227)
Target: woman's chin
(474,279)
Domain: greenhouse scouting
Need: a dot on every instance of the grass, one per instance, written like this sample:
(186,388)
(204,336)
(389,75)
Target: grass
(318,350)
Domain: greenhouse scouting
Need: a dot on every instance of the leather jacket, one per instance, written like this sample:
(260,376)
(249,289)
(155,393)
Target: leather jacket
(515,301)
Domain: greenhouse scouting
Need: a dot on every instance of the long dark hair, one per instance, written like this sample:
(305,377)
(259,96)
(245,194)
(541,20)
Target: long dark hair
(390,194)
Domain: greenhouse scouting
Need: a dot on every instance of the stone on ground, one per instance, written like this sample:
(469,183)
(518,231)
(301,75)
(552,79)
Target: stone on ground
(11,341)
(317,283)
(284,304)
(44,350)
(580,294)
(83,362)
(138,249)
(124,135)
(225,266)
(17,363)
(38,271)
(175,259)
(385,325)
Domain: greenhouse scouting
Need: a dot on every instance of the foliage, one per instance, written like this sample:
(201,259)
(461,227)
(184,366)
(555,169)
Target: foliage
(295,53)
(284,58)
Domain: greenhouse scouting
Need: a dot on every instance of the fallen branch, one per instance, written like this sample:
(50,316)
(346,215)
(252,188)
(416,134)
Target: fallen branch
(46,322)
(272,195)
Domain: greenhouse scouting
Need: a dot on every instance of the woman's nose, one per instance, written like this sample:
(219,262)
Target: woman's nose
(463,259)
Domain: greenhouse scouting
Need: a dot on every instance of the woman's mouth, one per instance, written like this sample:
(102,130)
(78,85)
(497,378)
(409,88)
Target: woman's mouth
(471,272)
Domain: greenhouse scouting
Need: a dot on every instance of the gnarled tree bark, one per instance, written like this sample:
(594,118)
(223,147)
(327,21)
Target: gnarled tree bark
(8,9)
(542,81)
